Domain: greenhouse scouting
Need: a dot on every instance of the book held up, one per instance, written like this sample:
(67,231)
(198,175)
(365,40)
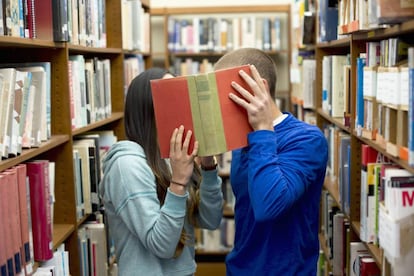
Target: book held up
(201,104)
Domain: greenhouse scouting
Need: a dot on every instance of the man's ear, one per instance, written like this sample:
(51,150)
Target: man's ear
(266,84)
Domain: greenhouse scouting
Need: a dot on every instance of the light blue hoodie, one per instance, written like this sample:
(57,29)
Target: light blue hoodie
(145,234)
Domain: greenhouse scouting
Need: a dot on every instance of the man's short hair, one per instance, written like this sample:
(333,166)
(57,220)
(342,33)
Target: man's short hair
(262,61)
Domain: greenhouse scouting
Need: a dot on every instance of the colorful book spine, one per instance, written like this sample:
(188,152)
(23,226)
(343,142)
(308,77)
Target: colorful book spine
(411,106)
(24,218)
(38,173)
(359,115)
(3,204)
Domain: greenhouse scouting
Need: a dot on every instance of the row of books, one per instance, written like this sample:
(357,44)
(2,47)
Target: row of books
(26,213)
(93,254)
(218,240)
(58,265)
(78,22)
(336,90)
(135,26)
(339,18)
(383,105)
(133,66)
(224,33)
(387,208)
(190,66)
(365,15)
(345,256)
(90,90)
(386,196)
(88,152)
(25,106)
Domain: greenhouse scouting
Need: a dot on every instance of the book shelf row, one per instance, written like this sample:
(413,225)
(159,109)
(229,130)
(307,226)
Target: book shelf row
(225,33)
(361,100)
(55,94)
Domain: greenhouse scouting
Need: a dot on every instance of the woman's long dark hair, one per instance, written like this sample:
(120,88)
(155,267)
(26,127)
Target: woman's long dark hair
(140,127)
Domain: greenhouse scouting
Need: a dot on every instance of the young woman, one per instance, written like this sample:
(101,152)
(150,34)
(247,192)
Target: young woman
(154,204)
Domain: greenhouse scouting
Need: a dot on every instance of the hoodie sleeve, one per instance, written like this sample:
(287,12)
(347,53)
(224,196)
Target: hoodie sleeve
(133,194)
(211,200)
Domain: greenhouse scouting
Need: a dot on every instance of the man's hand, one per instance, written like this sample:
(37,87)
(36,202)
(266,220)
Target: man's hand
(259,104)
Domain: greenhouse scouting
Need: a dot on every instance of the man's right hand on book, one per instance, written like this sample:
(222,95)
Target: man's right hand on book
(259,104)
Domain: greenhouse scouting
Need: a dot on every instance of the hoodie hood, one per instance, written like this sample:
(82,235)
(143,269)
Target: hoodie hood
(120,149)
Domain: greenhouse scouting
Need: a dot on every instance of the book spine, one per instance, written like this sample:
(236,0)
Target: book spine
(60,20)
(411,106)
(3,231)
(359,116)
(37,172)
(31,19)
(15,218)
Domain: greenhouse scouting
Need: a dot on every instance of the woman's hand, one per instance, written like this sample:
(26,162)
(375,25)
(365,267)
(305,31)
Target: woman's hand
(182,163)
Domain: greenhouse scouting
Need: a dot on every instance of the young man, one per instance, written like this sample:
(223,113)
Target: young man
(277,179)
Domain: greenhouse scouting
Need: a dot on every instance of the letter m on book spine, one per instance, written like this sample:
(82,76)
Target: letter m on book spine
(201,103)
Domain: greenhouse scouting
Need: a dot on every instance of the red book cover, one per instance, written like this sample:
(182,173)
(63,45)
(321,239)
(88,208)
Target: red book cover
(6,222)
(24,214)
(368,267)
(369,155)
(30,27)
(201,104)
(38,171)
(14,218)
(43,20)
(3,225)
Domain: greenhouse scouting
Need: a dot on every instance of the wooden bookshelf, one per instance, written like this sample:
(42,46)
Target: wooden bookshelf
(354,44)
(59,148)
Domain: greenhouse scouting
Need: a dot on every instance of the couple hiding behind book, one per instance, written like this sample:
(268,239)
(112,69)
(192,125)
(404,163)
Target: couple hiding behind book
(153,204)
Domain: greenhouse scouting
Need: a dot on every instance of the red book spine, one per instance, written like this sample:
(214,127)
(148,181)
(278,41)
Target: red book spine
(31,19)
(368,267)
(3,225)
(7,220)
(24,214)
(37,171)
(44,20)
(14,213)
(369,155)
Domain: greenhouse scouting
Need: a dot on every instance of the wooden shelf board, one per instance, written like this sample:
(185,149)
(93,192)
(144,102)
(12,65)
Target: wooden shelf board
(83,49)
(8,41)
(340,43)
(221,9)
(332,186)
(338,121)
(61,232)
(114,117)
(27,154)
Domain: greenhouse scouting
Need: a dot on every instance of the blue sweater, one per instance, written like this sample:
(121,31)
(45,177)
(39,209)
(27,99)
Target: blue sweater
(145,234)
(277,181)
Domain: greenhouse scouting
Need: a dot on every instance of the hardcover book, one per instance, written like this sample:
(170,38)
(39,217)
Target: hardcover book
(26,235)
(14,218)
(201,104)
(411,106)
(38,173)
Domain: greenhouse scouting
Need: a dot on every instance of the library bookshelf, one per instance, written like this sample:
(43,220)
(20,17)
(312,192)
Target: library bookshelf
(354,45)
(59,147)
